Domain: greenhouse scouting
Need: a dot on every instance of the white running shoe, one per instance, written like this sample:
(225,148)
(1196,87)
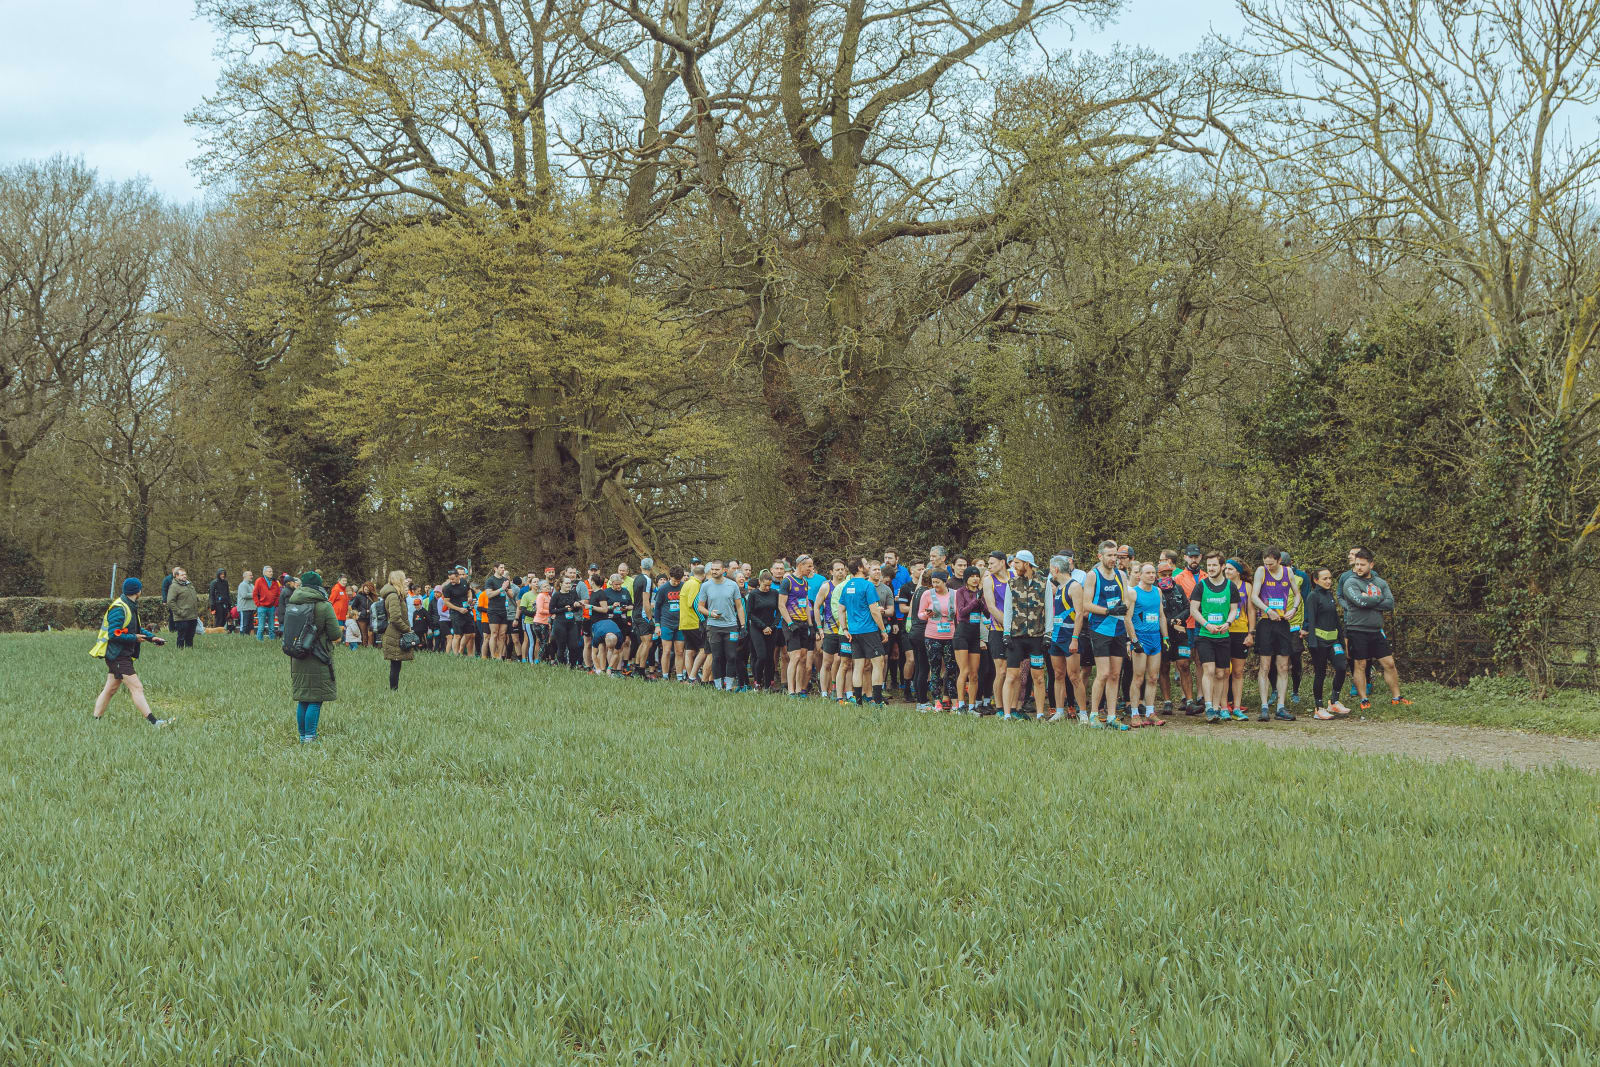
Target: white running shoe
(1057,717)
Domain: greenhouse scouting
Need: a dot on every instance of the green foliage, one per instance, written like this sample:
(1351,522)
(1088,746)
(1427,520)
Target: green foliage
(20,571)
(519,866)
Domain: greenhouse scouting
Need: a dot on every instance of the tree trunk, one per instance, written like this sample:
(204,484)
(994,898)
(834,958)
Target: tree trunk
(138,533)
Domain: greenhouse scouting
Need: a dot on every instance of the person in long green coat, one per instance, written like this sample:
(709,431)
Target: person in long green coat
(311,678)
(394,603)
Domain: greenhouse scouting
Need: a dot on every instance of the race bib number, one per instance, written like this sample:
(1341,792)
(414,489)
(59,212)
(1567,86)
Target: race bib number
(1338,649)
(1295,628)
(570,615)
(1183,651)
(1215,618)
(844,648)
(1153,616)
(733,635)
(1036,661)
(943,629)
(1276,603)
(978,617)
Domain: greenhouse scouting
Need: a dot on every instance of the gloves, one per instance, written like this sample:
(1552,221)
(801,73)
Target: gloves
(1135,647)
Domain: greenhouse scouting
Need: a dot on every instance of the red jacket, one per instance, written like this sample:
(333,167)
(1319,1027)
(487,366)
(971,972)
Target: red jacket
(339,597)
(266,594)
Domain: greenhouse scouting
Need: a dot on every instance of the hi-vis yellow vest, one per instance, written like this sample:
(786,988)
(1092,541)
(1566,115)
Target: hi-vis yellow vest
(104,639)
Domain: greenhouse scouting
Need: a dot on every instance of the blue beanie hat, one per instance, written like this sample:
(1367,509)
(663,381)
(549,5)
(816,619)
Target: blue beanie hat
(131,586)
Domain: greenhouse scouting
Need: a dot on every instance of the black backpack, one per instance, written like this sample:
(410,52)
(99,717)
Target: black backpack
(378,615)
(300,630)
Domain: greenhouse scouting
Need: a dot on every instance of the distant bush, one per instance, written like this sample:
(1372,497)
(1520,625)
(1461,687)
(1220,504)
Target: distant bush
(35,614)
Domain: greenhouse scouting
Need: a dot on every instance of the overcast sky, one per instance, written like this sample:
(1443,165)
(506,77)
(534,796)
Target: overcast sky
(111,80)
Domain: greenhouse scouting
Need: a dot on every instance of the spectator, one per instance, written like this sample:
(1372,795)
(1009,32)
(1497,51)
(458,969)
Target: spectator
(266,601)
(394,605)
(247,603)
(183,607)
(311,677)
(339,597)
(221,599)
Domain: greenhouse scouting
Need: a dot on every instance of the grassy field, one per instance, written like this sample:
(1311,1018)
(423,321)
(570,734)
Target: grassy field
(510,865)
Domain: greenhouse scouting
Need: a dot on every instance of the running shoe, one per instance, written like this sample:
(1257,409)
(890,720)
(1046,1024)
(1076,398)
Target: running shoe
(1338,709)
(1095,721)
(1366,705)
(1213,715)
(1266,714)
(1283,715)
(1400,702)
(1057,717)
(924,707)
(1239,715)
(1118,724)
(1294,698)
(1324,715)
(165,722)
(1083,718)
(1192,708)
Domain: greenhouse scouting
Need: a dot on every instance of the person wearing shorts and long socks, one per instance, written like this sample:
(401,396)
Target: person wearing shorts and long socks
(1275,597)
(865,629)
(1175,646)
(668,617)
(694,634)
(118,644)
(1214,605)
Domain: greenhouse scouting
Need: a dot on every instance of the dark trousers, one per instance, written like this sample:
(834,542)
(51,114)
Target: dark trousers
(185,632)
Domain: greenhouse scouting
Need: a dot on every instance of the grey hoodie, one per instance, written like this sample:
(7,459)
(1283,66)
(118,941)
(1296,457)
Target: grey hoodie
(1364,601)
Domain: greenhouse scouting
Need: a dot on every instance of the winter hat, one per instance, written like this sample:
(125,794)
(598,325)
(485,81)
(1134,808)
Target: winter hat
(312,579)
(131,586)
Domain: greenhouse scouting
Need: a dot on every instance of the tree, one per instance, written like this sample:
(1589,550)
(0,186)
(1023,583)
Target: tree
(1450,134)
(520,325)
(74,273)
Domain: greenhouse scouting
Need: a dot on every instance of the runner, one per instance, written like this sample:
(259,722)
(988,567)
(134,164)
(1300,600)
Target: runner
(642,592)
(1326,644)
(1025,634)
(455,598)
(1108,613)
(610,608)
(761,603)
(1302,583)
(1214,605)
(865,631)
(668,618)
(1066,595)
(829,616)
(566,638)
(717,602)
(1274,598)
(1149,623)
(1239,639)
(907,595)
(970,617)
(694,635)
(1365,597)
(936,610)
(494,609)
(1187,577)
(994,602)
(1175,647)
(799,635)
(118,645)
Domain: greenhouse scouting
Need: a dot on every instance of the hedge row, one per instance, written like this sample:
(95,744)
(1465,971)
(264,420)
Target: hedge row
(34,614)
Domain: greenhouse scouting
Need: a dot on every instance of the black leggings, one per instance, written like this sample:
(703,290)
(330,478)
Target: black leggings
(725,651)
(936,670)
(394,673)
(566,642)
(1321,656)
(763,649)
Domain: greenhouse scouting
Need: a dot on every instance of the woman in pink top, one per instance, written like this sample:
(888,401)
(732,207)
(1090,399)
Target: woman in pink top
(937,610)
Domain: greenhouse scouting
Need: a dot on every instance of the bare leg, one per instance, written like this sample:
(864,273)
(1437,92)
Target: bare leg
(113,683)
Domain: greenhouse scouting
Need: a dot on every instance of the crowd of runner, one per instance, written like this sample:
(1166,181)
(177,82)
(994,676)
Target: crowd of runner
(1121,644)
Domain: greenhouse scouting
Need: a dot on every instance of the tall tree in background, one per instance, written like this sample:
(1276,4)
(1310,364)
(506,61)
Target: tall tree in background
(1459,136)
(74,274)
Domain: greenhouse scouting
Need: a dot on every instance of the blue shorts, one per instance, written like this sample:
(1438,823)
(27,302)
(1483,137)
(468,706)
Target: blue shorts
(601,629)
(670,635)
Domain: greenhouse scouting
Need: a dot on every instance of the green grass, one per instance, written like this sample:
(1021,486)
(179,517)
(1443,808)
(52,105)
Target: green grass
(507,865)
(1498,702)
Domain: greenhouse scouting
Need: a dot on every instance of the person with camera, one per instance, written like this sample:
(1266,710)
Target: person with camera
(399,640)
(118,644)
(310,630)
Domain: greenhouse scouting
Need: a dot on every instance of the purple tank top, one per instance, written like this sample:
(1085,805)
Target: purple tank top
(1276,593)
(1000,597)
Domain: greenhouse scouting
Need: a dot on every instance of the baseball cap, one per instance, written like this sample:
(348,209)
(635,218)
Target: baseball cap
(1191,550)
(1026,557)
(997,554)
(594,566)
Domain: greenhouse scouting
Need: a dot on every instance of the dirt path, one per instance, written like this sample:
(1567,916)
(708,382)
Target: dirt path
(1418,740)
